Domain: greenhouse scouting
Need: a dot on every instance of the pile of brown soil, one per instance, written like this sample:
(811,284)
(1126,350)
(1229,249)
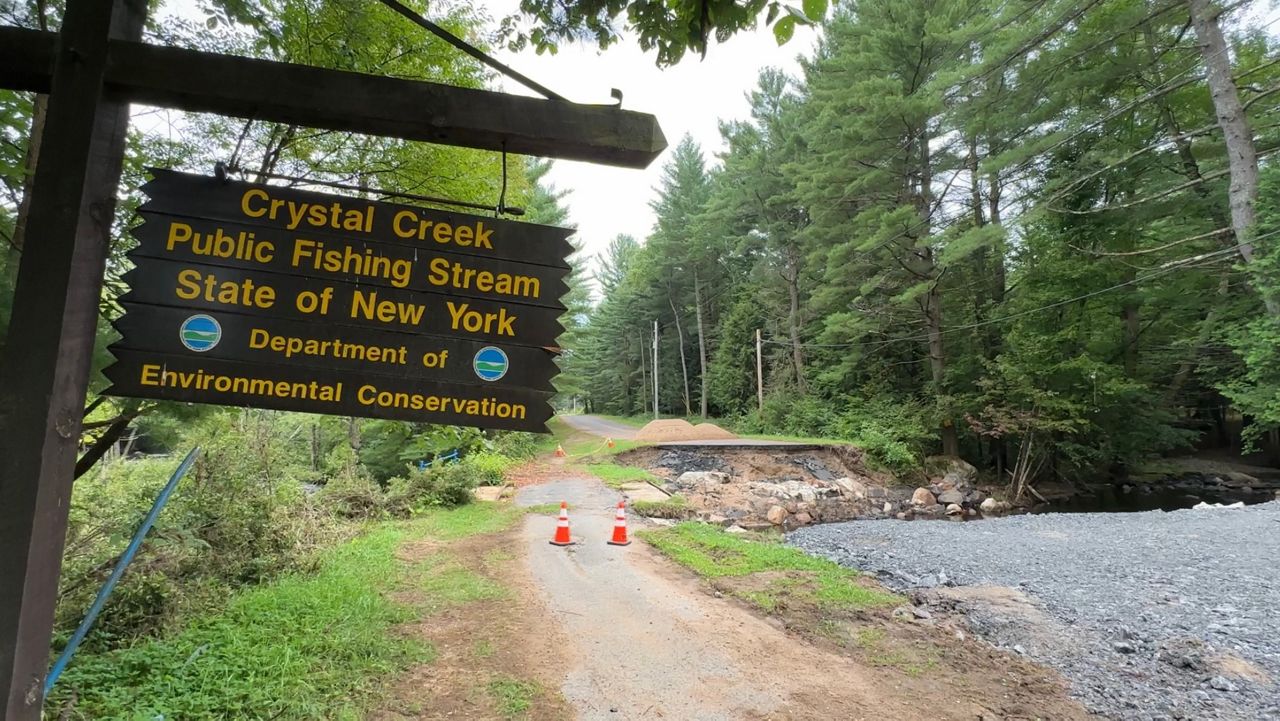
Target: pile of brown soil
(678,429)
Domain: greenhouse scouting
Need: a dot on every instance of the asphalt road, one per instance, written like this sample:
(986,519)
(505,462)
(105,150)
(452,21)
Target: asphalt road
(603,427)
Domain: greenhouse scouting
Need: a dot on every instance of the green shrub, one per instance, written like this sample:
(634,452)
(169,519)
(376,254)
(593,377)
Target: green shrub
(490,468)
(438,485)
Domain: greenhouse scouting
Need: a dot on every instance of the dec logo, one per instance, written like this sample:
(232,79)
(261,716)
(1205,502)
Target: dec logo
(200,333)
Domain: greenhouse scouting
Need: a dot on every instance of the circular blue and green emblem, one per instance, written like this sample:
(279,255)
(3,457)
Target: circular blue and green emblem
(491,363)
(200,333)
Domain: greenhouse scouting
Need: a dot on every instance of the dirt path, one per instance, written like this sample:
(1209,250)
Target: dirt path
(647,642)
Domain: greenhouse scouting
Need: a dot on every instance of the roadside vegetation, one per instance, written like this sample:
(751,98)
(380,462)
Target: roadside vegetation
(1026,255)
(264,582)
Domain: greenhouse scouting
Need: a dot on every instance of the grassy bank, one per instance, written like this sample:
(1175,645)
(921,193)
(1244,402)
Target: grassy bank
(306,646)
(767,574)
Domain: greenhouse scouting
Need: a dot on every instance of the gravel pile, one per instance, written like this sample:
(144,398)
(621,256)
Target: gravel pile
(1147,615)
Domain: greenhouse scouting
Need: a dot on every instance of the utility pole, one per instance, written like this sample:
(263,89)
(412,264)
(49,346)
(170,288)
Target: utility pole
(655,370)
(759,374)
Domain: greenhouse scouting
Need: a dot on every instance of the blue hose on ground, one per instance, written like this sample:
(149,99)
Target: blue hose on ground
(76,638)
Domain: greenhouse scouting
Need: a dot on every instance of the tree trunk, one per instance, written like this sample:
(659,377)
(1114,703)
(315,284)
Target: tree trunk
(1242,154)
(1129,316)
(353,433)
(702,346)
(684,366)
(793,317)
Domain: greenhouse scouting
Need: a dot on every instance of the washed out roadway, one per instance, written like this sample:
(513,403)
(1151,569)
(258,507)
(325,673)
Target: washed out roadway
(647,642)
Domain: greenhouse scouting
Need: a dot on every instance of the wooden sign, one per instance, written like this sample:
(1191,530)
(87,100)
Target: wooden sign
(256,295)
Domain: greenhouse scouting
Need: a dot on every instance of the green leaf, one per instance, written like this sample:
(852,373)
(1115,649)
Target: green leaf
(816,10)
(784,29)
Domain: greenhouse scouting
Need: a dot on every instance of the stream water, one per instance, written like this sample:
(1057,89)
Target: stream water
(1115,499)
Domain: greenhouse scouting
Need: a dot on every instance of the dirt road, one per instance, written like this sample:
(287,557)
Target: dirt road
(669,650)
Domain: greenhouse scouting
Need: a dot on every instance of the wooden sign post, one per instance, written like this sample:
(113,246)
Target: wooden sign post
(91,70)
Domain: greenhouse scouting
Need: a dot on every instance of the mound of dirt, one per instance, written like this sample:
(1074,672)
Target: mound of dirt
(678,429)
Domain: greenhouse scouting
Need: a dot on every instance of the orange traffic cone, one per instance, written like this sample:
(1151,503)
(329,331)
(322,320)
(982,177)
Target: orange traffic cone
(562,527)
(559,451)
(620,527)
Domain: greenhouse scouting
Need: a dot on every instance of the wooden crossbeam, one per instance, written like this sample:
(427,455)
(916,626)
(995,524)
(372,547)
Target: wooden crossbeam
(338,100)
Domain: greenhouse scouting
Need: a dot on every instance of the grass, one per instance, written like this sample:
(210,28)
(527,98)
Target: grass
(513,697)
(307,646)
(615,475)
(304,647)
(545,509)
(792,576)
(674,507)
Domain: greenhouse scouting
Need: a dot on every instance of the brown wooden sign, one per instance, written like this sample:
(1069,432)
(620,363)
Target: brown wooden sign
(262,296)
(195,379)
(249,339)
(306,212)
(328,254)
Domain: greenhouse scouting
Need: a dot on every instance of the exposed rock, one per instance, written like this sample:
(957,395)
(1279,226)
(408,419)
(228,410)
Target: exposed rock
(850,487)
(692,479)
(949,497)
(921,612)
(717,519)
(1221,683)
(951,473)
(954,509)
(1124,647)
(888,507)
(776,515)
(803,518)
(922,497)
(735,529)
(991,506)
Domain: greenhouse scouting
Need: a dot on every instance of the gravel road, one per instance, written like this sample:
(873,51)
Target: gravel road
(1148,615)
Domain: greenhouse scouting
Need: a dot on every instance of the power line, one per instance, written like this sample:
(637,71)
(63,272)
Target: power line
(1192,261)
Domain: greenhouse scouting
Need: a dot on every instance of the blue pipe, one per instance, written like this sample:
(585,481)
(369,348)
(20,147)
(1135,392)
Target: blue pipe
(61,664)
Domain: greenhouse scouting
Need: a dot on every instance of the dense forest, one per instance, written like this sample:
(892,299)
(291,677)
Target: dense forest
(1034,230)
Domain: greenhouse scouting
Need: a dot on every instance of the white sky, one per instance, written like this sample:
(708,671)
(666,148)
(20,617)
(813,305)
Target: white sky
(688,98)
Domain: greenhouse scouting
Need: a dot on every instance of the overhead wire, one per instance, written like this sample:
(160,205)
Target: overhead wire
(1189,262)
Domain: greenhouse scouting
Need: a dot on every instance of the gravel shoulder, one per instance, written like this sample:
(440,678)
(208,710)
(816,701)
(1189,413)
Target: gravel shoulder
(1147,615)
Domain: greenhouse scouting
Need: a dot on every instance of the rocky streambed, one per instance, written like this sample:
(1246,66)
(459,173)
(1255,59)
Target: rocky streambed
(786,488)
(1155,615)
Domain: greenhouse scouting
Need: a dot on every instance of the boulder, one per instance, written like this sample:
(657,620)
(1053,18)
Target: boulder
(803,519)
(875,492)
(776,515)
(954,509)
(922,497)
(693,479)
(735,529)
(992,507)
(952,473)
(849,487)
(888,508)
(952,497)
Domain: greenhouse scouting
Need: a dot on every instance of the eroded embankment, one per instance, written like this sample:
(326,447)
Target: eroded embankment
(794,486)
